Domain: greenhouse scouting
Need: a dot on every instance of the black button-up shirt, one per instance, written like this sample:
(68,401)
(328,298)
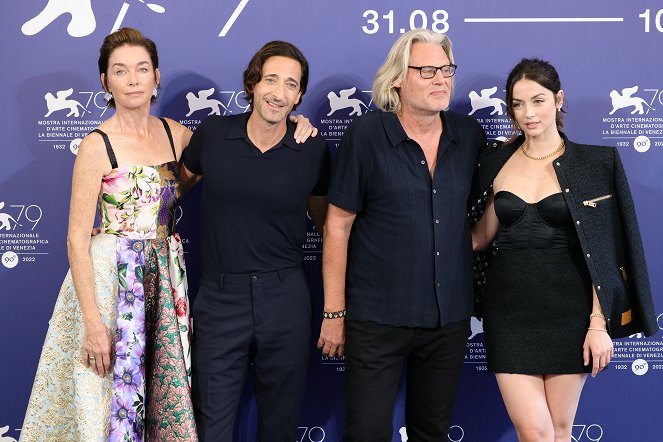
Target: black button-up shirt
(410,249)
(254,203)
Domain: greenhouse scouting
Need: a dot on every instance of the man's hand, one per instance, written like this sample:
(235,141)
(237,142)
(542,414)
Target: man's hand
(332,337)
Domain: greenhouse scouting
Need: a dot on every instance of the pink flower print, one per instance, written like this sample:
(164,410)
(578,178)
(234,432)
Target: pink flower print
(116,182)
(180,307)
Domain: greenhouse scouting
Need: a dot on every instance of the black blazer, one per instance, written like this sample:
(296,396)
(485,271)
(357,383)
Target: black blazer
(597,194)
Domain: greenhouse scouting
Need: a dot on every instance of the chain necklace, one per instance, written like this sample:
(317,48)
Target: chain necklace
(553,153)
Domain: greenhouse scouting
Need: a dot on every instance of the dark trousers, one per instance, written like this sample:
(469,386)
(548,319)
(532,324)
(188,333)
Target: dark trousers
(374,358)
(233,316)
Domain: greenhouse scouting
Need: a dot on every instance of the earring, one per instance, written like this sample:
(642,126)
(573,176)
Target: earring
(108,96)
(155,92)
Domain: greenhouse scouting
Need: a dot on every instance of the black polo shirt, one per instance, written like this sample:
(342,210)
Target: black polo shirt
(254,203)
(410,249)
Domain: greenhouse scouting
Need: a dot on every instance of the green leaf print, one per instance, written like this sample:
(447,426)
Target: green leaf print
(139,273)
(122,274)
(110,199)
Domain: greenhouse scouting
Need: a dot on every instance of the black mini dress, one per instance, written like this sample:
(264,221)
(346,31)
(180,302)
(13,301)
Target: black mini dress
(538,294)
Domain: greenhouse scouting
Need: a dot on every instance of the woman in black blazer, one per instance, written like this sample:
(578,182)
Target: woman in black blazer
(566,269)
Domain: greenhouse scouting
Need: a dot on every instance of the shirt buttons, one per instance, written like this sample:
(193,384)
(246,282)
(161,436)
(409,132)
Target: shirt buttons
(434,190)
(589,256)
(437,253)
(254,278)
(556,163)
(578,222)
(423,161)
(598,287)
(437,221)
(566,190)
(437,284)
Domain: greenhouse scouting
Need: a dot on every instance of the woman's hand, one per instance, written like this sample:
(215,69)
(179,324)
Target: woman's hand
(97,348)
(599,345)
(304,128)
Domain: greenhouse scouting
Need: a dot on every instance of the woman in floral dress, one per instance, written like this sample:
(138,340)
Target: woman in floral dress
(116,361)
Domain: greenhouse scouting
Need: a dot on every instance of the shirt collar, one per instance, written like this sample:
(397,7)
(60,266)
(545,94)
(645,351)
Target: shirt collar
(238,131)
(397,135)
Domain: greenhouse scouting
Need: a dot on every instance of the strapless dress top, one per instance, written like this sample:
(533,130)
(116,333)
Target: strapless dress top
(542,225)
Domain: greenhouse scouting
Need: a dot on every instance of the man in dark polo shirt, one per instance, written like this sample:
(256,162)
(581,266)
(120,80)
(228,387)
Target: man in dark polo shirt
(253,298)
(397,222)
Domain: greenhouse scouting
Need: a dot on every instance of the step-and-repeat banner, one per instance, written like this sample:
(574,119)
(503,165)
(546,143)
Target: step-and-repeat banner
(609,56)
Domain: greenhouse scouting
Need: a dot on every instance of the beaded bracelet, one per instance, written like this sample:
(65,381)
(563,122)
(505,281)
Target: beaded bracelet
(334,315)
(597,315)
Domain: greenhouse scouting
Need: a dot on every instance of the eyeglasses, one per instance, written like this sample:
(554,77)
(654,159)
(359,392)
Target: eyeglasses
(427,72)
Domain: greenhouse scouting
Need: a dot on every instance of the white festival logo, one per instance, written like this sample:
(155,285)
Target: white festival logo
(403,433)
(203,101)
(6,220)
(82,18)
(485,100)
(61,101)
(82,21)
(3,438)
(476,327)
(626,99)
(343,100)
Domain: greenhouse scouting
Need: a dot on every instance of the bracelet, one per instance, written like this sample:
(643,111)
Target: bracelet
(334,315)
(598,329)
(596,315)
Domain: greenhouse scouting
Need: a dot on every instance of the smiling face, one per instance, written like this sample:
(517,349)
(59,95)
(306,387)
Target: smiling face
(131,77)
(534,108)
(425,96)
(278,90)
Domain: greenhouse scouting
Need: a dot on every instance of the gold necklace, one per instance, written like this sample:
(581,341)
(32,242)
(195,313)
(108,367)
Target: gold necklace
(554,152)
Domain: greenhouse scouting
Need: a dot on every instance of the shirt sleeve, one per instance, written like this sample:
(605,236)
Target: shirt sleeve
(193,152)
(639,278)
(322,186)
(347,181)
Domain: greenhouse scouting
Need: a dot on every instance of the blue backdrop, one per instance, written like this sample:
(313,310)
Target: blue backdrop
(608,54)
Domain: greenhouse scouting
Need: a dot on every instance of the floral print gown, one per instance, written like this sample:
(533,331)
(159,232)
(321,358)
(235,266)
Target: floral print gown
(141,290)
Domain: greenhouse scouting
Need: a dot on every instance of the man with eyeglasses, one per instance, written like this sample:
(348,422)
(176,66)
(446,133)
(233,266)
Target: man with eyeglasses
(397,252)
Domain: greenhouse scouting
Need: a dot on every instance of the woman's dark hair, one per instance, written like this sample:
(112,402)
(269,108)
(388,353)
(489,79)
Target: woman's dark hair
(539,71)
(253,72)
(125,37)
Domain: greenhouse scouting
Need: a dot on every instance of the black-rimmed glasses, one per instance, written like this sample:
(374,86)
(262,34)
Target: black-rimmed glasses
(428,72)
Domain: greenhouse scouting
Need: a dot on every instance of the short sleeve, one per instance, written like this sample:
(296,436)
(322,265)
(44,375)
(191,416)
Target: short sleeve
(193,152)
(322,186)
(347,183)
